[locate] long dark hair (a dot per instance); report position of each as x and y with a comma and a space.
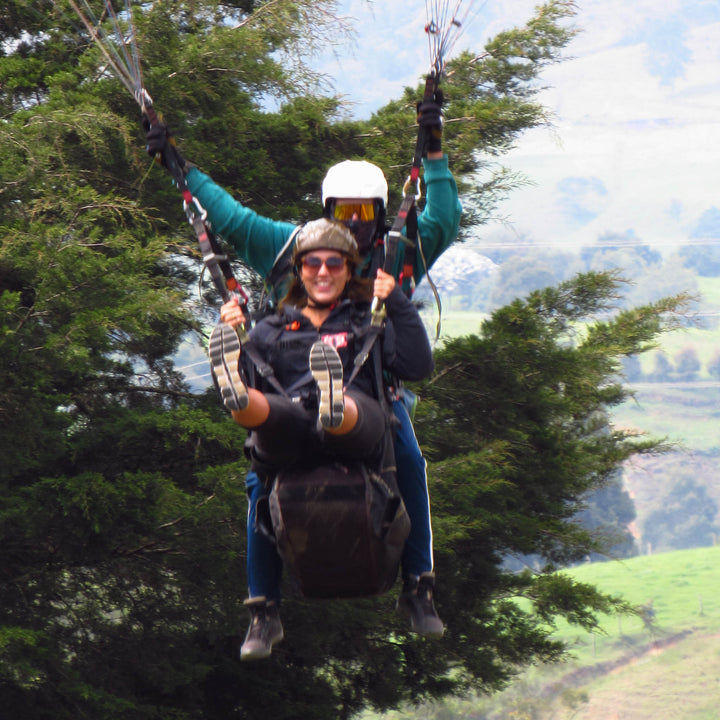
357, 289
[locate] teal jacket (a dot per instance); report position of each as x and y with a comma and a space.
260, 241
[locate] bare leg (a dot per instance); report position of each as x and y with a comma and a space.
350, 418
256, 412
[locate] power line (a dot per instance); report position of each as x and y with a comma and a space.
699, 384
596, 245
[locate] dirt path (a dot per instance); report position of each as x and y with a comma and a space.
674, 678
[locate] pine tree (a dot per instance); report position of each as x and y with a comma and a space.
516, 422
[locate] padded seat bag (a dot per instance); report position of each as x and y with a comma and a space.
340, 529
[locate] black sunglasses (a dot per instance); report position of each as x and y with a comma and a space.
313, 263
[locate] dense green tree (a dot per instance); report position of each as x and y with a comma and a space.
122, 503
686, 519
608, 513
687, 364
516, 424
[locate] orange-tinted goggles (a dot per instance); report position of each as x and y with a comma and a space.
345, 211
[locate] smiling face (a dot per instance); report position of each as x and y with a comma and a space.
324, 273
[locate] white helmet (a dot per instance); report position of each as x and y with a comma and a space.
355, 179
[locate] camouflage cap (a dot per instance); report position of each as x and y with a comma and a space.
325, 234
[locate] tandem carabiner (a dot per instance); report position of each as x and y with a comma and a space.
191, 214
408, 185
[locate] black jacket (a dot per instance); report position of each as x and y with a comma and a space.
284, 340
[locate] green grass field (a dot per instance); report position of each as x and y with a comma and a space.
623, 671
689, 417
671, 671
683, 587
452, 324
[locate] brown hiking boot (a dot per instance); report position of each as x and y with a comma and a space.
265, 629
416, 602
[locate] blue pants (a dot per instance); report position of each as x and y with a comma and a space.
264, 566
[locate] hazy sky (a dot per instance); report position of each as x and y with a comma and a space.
634, 148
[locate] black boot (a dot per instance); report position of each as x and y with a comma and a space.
265, 629
416, 602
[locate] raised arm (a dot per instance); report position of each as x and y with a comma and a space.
257, 239
439, 222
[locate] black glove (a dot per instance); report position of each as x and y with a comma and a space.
430, 118
160, 145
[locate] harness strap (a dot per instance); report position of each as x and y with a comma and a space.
379, 384
411, 239
218, 263
264, 369
395, 236
213, 257
376, 257
406, 218
373, 333
281, 267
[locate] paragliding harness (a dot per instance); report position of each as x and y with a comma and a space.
340, 527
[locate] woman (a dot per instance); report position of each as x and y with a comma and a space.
311, 345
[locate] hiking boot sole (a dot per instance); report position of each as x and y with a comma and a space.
326, 367
224, 351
